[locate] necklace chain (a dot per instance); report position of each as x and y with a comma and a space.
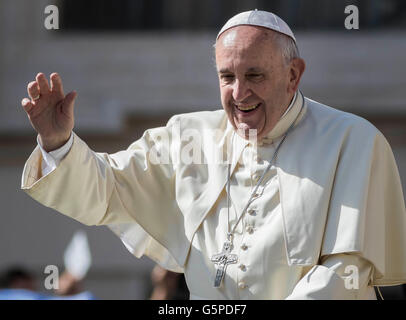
225, 257
230, 233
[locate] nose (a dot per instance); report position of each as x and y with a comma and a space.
241, 91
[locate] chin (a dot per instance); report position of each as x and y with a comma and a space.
245, 130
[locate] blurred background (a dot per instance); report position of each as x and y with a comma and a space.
135, 64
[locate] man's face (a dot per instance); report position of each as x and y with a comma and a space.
255, 83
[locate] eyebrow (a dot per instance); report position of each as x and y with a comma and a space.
252, 69
224, 71
255, 70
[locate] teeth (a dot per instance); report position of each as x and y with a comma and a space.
248, 107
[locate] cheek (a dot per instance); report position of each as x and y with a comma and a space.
225, 94
270, 94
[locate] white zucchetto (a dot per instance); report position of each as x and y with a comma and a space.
261, 19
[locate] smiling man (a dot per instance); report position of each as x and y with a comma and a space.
258, 76
312, 208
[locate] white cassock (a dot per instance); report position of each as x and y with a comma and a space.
328, 219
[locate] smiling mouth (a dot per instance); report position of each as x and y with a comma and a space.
248, 108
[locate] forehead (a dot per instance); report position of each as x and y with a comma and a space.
247, 45
244, 34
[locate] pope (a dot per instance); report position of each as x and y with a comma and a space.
276, 197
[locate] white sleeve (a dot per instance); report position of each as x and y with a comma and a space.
52, 158
338, 277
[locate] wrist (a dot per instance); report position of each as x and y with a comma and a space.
51, 144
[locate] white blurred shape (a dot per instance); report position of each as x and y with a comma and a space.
77, 256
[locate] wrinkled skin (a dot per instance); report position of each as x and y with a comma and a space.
252, 71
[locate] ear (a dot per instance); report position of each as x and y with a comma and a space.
296, 68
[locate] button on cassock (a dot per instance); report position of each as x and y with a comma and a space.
242, 285
244, 246
249, 229
256, 177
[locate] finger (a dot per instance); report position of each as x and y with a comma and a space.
56, 85
43, 83
70, 98
33, 90
69, 103
27, 105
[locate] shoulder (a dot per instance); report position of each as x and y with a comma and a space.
188, 124
200, 120
327, 119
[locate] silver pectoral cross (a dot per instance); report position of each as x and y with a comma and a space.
222, 259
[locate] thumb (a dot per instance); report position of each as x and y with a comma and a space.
69, 101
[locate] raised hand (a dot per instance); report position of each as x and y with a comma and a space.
50, 111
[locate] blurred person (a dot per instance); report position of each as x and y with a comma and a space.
77, 260
17, 277
17, 283
71, 288
168, 285
307, 205
20, 284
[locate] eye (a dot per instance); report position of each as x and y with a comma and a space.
226, 78
255, 76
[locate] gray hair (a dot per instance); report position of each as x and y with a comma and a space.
286, 44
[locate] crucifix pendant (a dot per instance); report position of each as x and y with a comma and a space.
222, 259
